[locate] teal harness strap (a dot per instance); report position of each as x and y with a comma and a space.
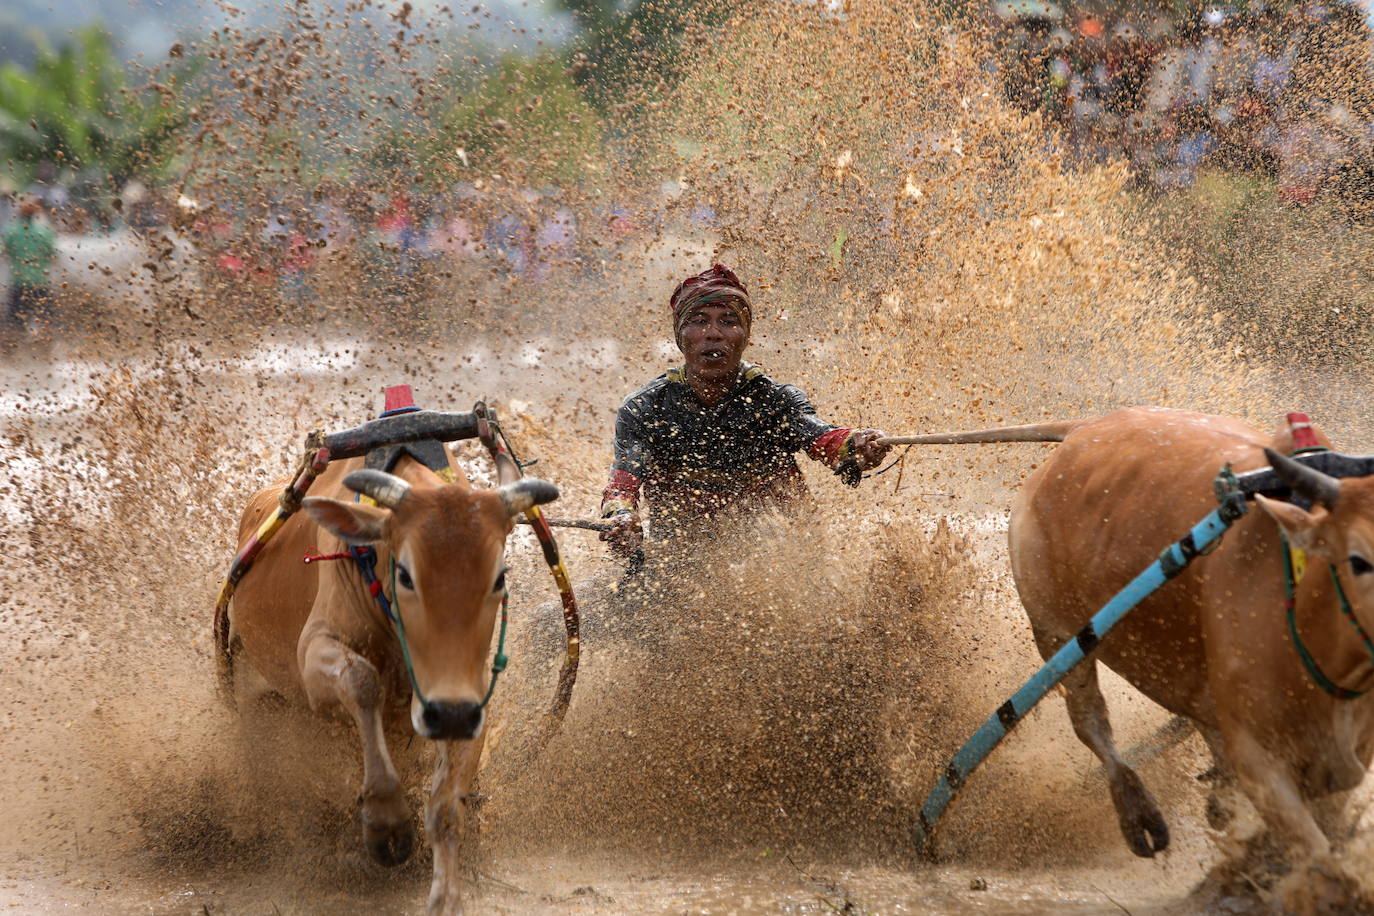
393, 613
1290, 604
1171, 562
498, 663
366, 560
1308, 662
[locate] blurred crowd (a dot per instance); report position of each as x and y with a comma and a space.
398, 238
304, 246
1284, 89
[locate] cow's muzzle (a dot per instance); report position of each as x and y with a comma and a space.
440, 720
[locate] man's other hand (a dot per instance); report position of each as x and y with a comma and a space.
626, 534
867, 452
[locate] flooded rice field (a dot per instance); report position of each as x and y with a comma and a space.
758, 738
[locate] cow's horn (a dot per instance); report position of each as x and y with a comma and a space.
522, 494
1305, 481
387, 489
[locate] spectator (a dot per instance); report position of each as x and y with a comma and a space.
1307, 155
556, 241
50, 193
509, 237
30, 245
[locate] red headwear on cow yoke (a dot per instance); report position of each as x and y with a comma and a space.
716, 286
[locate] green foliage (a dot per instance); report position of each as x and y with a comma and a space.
629, 51
527, 121
73, 108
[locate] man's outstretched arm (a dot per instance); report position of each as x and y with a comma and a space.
849, 451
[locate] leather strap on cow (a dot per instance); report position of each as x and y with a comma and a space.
1290, 604
312, 465
490, 434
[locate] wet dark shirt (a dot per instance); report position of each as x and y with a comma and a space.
688, 456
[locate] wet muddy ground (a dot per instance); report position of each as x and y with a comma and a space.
135, 791
924, 261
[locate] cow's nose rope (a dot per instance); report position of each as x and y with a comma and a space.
499, 662
1307, 443
393, 612
1308, 662
366, 558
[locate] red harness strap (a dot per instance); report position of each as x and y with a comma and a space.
317, 557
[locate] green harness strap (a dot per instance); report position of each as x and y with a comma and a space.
1308, 662
1290, 603
498, 664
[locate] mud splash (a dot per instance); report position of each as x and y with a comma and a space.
924, 261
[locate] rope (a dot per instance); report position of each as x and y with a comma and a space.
582, 523
318, 557
499, 662
1300, 424
393, 613
1290, 604
895, 461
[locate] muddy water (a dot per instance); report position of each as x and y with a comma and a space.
762, 763
921, 259
761, 760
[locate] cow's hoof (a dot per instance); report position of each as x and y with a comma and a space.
1141, 823
389, 845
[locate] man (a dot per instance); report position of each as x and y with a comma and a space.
30, 244
717, 435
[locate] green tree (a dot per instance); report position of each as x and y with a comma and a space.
527, 120
631, 51
73, 107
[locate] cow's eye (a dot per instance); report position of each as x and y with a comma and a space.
1359, 565
403, 577
500, 585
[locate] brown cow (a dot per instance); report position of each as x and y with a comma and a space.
1213, 644
315, 633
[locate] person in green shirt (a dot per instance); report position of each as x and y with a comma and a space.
30, 245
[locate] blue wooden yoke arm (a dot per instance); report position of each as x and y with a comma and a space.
1172, 561
1233, 491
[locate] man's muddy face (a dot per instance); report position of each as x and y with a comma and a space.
713, 339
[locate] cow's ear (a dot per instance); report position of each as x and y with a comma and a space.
1299, 525
353, 523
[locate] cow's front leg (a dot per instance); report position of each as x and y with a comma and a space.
337, 677
1272, 788
449, 796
